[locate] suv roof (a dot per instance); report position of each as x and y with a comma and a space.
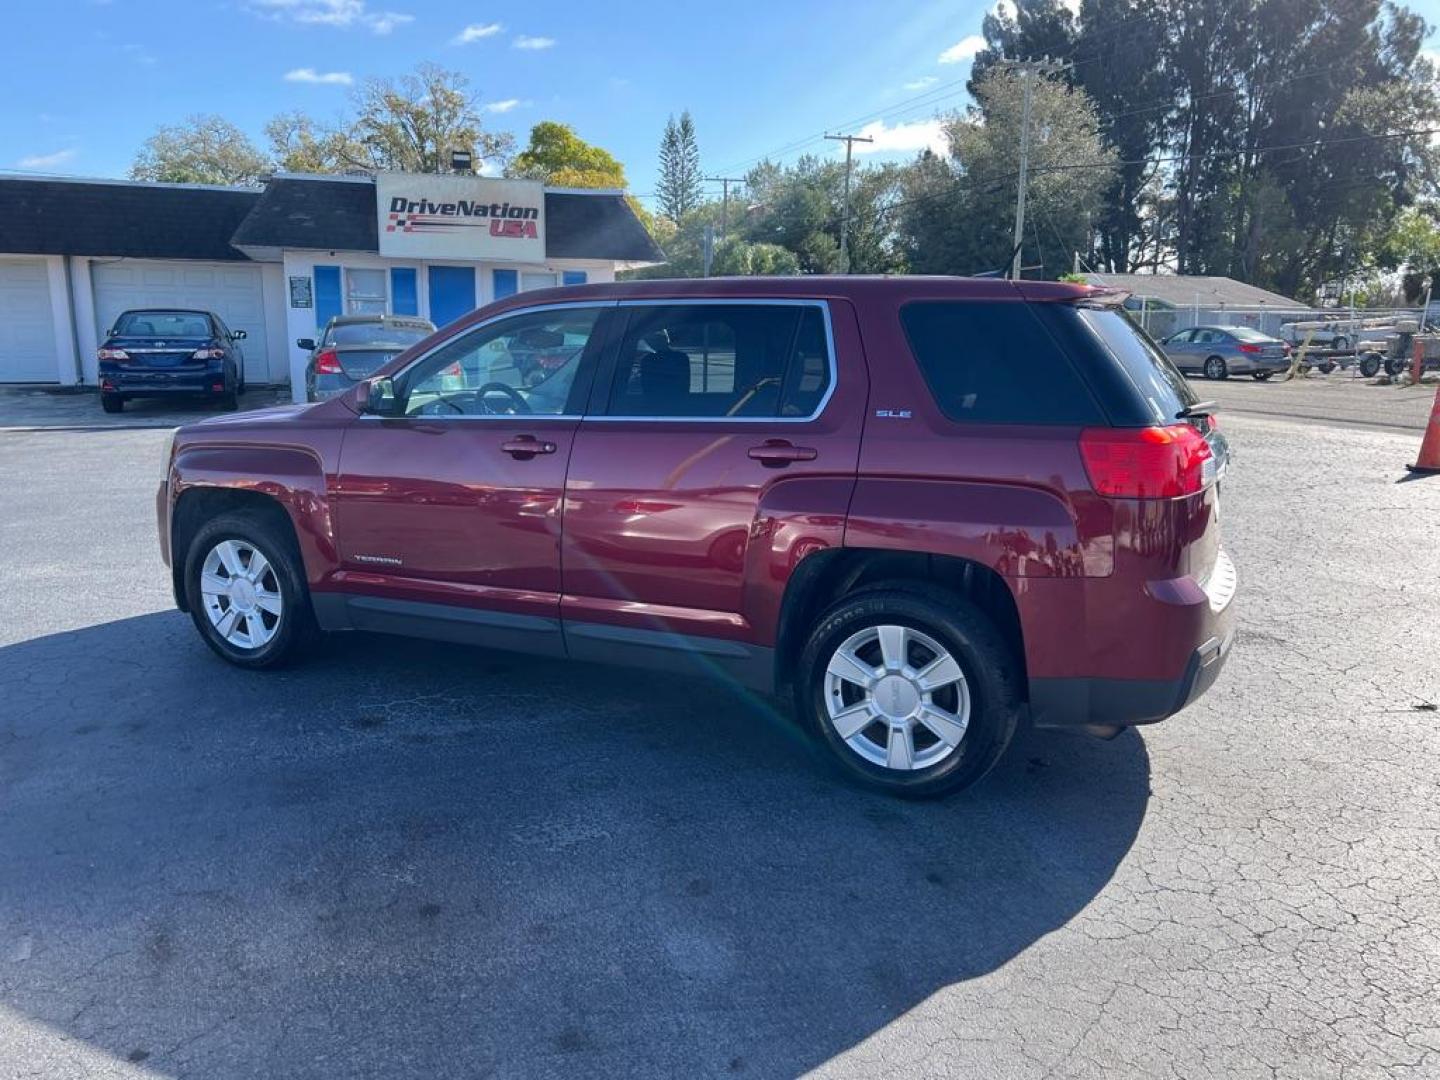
958, 288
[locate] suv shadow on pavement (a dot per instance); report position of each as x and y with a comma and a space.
417, 859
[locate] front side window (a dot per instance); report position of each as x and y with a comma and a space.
364, 292
714, 361
518, 366
995, 363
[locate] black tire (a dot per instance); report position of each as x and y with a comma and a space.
1340, 343
1261, 376
228, 401
1370, 365
1396, 365
992, 679
112, 403
1328, 366
295, 630
1216, 368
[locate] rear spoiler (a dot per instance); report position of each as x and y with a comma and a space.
1067, 293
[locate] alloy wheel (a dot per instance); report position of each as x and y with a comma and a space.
897, 697
241, 593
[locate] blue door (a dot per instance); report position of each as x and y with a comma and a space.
452, 293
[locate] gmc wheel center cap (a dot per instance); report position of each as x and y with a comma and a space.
897, 697
242, 594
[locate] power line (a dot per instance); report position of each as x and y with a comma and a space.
724, 182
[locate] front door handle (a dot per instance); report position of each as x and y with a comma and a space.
525, 447
777, 453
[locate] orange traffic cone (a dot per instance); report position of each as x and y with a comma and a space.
1429, 459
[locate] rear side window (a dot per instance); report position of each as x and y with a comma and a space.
722, 360
1155, 378
994, 363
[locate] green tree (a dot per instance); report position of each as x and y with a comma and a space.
559, 157
679, 187
411, 124
203, 150
298, 144
957, 215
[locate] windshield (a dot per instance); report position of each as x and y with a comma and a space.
163, 324
402, 334
1154, 376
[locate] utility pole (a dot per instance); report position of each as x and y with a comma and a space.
849, 141
724, 182
1028, 72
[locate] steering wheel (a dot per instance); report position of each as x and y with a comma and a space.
519, 403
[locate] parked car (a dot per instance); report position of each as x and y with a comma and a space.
1221, 351
353, 347
919, 508
1337, 336
154, 352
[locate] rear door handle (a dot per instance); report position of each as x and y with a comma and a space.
525, 447
777, 453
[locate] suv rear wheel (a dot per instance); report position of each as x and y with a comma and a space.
911, 696
112, 403
247, 592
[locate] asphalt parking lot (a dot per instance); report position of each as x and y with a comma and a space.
418, 860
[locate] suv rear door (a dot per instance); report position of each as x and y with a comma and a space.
720, 449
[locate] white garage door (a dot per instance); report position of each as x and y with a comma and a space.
27, 325
230, 290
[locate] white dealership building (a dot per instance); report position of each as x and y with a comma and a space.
278, 262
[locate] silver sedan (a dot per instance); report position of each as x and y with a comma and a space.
1220, 351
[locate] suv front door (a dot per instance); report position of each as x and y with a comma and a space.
449, 513
720, 451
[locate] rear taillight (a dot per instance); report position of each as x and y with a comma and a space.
1250, 348
113, 354
1145, 463
328, 363
208, 354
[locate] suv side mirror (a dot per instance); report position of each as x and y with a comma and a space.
306, 343
237, 335
377, 397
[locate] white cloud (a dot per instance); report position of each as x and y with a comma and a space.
340, 13
503, 106
903, 138
921, 83
45, 161
962, 50
327, 78
525, 41
489, 168
476, 32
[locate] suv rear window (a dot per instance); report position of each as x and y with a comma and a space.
994, 363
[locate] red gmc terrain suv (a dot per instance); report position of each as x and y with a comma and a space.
921, 507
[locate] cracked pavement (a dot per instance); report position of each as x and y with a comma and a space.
414, 859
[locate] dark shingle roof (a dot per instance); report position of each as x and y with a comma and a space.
339, 215
324, 215
599, 226
142, 221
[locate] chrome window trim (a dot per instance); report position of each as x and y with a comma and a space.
823, 305
733, 301
507, 417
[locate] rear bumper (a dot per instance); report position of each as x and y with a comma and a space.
1182, 629
1126, 702
127, 380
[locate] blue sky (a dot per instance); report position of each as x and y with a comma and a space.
85, 82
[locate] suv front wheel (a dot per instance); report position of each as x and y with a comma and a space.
911, 696
246, 590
